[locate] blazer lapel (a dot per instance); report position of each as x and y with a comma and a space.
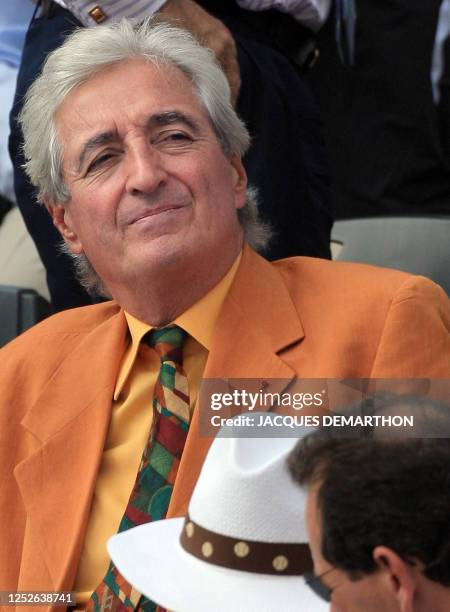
257, 322
69, 421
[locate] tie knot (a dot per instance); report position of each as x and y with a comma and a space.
167, 342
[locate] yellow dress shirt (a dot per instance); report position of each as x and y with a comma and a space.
130, 424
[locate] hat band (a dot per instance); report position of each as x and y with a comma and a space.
280, 559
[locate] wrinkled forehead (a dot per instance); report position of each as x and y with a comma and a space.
129, 80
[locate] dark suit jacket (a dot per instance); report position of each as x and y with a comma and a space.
386, 151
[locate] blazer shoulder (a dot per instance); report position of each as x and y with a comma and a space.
67, 346
337, 278
63, 327
341, 292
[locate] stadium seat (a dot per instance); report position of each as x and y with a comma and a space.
19, 309
420, 245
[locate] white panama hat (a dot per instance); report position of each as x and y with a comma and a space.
242, 547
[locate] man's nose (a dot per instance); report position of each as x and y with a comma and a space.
145, 169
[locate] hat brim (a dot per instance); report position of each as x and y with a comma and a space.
151, 558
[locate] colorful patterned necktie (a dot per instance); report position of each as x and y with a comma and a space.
150, 497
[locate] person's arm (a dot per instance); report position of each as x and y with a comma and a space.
185, 13
211, 32
310, 13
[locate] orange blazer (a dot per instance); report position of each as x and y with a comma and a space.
299, 317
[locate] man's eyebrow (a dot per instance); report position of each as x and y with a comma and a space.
173, 116
158, 119
93, 143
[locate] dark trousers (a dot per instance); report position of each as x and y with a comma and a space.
286, 161
387, 148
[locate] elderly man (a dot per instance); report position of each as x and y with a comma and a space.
377, 513
135, 149
259, 51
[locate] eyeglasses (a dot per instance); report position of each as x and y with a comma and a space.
317, 585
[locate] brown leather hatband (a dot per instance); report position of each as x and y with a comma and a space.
280, 559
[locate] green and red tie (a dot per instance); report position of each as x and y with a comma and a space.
150, 497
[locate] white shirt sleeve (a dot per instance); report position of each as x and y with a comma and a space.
105, 11
311, 13
442, 33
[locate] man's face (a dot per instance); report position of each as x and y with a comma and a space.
151, 189
372, 593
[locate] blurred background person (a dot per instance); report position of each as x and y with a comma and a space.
388, 149
20, 264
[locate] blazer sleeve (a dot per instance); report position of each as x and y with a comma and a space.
415, 340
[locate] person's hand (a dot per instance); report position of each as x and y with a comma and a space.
209, 31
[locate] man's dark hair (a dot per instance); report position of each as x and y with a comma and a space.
373, 491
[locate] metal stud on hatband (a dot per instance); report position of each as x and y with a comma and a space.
241, 549
189, 530
207, 549
280, 563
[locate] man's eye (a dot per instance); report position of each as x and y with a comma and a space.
179, 136
98, 161
173, 138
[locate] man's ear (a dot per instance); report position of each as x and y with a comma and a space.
401, 576
62, 220
239, 177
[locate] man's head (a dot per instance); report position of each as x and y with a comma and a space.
134, 147
378, 518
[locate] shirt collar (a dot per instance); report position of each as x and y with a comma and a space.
198, 321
